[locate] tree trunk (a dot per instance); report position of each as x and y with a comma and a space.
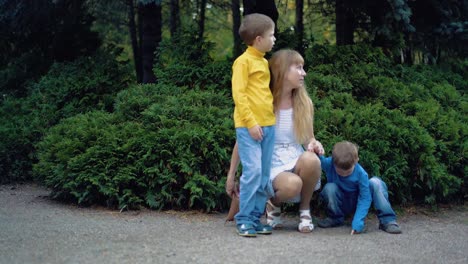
236, 20
266, 7
174, 20
151, 36
134, 39
344, 23
140, 35
407, 52
201, 20
300, 26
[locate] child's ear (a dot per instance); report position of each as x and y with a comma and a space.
257, 39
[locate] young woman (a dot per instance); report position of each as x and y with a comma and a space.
295, 171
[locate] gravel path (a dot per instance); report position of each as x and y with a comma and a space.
35, 229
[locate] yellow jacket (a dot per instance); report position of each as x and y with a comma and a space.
251, 91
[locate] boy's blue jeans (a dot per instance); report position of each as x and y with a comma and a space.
338, 205
255, 157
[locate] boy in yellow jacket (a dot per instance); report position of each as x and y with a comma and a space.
254, 120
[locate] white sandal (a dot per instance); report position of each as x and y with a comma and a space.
305, 226
273, 215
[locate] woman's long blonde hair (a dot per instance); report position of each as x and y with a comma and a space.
303, 108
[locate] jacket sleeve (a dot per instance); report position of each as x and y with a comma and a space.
363, 203
240, 79
326, 165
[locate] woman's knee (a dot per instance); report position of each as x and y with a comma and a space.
308, 165
311, 159
289, 184
294, 185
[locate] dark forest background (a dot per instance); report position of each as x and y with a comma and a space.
127, 103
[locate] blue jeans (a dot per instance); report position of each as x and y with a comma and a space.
379, 193
339, 204
255, 157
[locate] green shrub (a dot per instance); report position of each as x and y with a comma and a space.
131, 102
392, 146
423, 108
88, 83
195, 132
173, 154
68, 89
167, 145
89, 158
17, 136
191, 67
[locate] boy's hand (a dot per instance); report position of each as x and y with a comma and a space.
354, 232
256, 132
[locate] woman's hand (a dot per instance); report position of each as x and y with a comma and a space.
232, 189
316, 146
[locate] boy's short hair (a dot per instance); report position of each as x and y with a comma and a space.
345, 155
254, 25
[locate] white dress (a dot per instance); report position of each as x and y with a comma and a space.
286, 151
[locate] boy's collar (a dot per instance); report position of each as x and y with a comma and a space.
252, 50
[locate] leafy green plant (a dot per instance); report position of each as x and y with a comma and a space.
191, 67
173, 154
167, 145
406, 119
68, 89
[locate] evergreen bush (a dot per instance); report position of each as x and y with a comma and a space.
406, 119
168, 145
68, 89
191, 67
171, 153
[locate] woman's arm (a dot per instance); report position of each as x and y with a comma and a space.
231, 187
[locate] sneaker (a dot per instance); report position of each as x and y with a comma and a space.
328, 222
392, 228
246, 230
262, 229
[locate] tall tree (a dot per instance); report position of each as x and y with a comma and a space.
34, 34
201, 18
300, 25
236, 21
441, 28
151, 31
380, 22
134, 40
344, 23
174, 18
266, 7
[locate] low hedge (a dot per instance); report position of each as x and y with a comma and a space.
168, 145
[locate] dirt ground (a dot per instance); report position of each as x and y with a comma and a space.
36, 229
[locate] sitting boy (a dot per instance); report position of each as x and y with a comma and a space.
348, 190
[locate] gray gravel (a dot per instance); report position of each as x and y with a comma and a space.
35, 229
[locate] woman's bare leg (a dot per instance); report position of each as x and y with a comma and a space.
308, 169
287, 185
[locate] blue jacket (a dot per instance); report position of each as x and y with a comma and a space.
356, 183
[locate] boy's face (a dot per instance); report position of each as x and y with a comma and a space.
344, 173
266, 41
